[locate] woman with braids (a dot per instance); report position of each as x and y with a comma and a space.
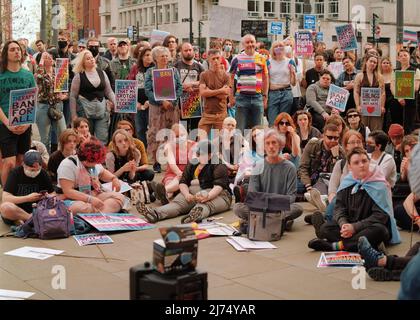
78, 181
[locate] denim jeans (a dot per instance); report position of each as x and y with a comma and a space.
67, 113
44, 123
142, 123
329, 213
249, 111
278, 102
97, 127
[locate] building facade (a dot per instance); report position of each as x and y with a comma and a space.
6, 20
91, 19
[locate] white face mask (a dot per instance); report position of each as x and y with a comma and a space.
31, 174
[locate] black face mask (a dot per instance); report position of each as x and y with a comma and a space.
62, 44
94, 50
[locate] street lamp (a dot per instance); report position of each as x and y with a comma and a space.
191, 23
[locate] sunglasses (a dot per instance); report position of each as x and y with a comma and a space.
352, 116
334, 138
284, 123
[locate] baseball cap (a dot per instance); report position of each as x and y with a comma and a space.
31, 157
124, 41
82, 44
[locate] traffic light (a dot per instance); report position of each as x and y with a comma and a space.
375, 27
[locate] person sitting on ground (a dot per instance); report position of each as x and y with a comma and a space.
396, 135
354, 122
340, 123
81, 127
68, 143
177, 153
318, 160
381, 267
42, 149
304, 128
275, 175
124, 160
376, 144
25, 185
285, 125
204, 190
363, 208
78, 181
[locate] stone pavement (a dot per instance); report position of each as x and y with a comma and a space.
288, 272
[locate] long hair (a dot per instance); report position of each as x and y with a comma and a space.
364, 68
5, 54
79, 62
132, 151
286, 116
305, 113
140, 64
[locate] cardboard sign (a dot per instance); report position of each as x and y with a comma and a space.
336, 68
191, 105
225, 22
346, 37
62, 75
115, 222
158, 36
164, 84
337, 98
304, 44
404, 85
371, 102
23, 105
92, 238
126, 95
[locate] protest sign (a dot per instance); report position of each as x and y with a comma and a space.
276, 28
340, 259
225, 22
62, 76
164, 84
115, 222
309, 22
92, 238
126, 96
404, 85
158, 36
346, 37
191, 105
371, 102
304, 44
336, 68
320, 36
23, 105
337, 98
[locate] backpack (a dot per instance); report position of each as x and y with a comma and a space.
140, 193
267, 215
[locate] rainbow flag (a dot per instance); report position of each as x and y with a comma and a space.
61, 83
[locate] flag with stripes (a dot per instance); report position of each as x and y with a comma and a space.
410, 36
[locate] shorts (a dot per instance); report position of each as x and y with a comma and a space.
12, 144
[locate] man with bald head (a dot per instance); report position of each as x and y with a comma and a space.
251, 90
190, 71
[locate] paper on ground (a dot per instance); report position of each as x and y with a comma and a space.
34, 253
124, 187
14, 295
235, 245
247, 244
217, 229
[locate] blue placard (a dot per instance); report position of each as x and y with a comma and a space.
320, 36
126, 96
276, 28
309, 22
346, 37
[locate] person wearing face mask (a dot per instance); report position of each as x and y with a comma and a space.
228, 50
178, 151
23, 188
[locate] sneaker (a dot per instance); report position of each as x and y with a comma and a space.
317, 220
382, 274
369, 255
148, 213
243, 227
307, 197
289, 225
308, 218
195, 215
320, 245
157, 168
160, 193
316, 200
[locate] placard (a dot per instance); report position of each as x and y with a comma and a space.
309, 22
337, 98
346, 37
276, 28
158, 36
258, 28
191, 106
404, 85
115, 222
304, 45
371, 102
23, 106
92, 238
225, 22
62, 76
164, 84
126, 92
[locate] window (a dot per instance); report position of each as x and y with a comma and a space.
152, 16
175, 12
253, 8
204, 10
284, 8
160, 14
145, 17
215, 2
333, 6
167, 14
319, 8
269, 9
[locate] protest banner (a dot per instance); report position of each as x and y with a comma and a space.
191, 105
92, 238
337, 98
340, 259
126, 96
115, 222
371, 102
62, 76
304, 44
276, 28
164, 84
23, 106
404, 85
336, 68
346, 37
225, 22
309, 22
158, 36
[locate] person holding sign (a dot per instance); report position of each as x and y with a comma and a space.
14, 140
370, 78
394, 112
400, 86
346, 80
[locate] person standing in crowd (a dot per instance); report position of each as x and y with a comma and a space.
252, 85
81, 46
40, 45
190, 72
354, 122
138, 72
171, 42
217, 45
370, 78
14, 141
215, 89
89, 88
313, 75
298, 64
282, 77
162, 114
393, 112
102, 63
304, 128
346, 80
228, 50
28, 62
45, 79
316, 98
409, 106
111, 53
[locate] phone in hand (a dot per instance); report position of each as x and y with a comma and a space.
44, 192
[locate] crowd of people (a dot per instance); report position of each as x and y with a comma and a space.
264, 127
